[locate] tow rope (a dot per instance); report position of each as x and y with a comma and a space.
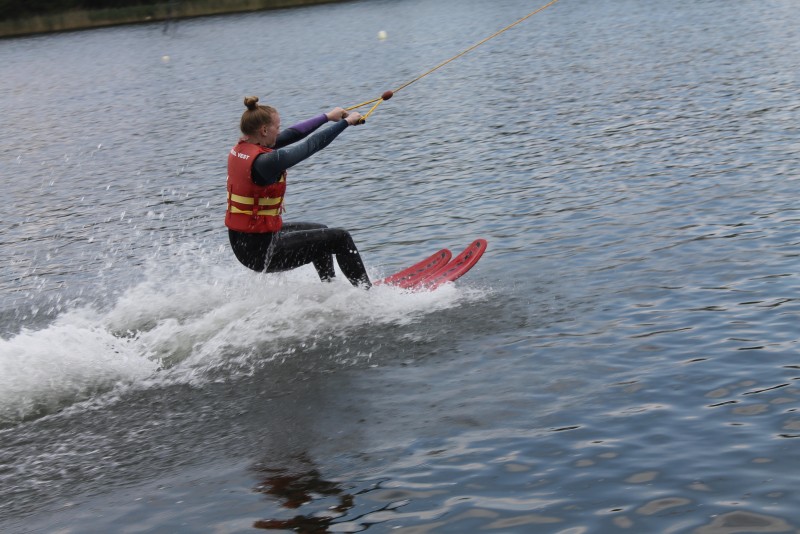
389, 94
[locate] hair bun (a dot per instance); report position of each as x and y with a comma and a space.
251, 102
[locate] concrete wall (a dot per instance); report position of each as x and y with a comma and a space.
79, 20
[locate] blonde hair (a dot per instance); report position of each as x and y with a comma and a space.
256, 116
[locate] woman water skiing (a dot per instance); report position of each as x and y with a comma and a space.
256, 186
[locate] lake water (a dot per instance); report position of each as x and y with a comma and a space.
624, 358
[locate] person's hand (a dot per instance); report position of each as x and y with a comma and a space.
336, 114
354, 118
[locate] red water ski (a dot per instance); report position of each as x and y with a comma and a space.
455, 268
411, 276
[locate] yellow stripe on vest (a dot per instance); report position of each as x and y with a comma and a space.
249, 200
273, 212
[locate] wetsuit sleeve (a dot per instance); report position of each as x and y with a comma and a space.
298, 131
268, 167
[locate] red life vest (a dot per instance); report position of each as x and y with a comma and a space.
252, 208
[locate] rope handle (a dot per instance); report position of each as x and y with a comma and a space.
385, 96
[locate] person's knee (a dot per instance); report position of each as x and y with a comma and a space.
343, 238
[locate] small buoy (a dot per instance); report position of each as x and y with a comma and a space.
165, 59
382, 35
387, 95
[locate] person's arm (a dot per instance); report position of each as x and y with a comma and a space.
299, 131
268, 167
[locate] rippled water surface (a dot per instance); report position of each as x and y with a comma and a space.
623, 358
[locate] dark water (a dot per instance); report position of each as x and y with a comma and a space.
624, 357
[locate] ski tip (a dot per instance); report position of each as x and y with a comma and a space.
439, 268
455, 268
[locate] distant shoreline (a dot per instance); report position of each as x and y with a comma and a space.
170, 10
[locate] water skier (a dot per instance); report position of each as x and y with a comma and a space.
256, 186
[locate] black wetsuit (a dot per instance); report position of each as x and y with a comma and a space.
298, 244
